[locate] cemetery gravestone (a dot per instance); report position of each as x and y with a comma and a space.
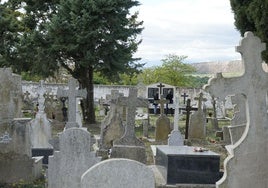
248, 157
66, 166
188, 110
129, 146
40, 126
112, 125
16, 162
72, 94
118, 173
10, 96
175, 138
197, 126
162, 123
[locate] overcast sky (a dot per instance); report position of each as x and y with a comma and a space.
203, 30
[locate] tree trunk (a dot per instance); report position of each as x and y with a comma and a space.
88, 103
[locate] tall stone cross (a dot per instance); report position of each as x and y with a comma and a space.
72, 94
188, 110
131, 102
160, 87
251, 150
162, 102
200, 99
184, 97
175, 138
41, 91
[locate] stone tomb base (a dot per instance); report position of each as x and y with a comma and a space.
181, 165
136, 153
45, 152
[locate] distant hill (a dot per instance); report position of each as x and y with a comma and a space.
215, 67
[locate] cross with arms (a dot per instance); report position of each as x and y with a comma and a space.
72, 94
131, 102
253, 84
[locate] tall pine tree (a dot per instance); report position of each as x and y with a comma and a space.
95, 35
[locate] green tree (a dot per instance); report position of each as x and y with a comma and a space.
90, 36
10, 27
252, 15
173, 71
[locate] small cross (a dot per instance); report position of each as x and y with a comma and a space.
160, 86
26, 95
184, 97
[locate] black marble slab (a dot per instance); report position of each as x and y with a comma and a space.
45, 152
181, 164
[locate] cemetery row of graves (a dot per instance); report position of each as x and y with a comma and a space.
141, 140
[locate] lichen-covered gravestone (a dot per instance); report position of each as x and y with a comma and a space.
246, 166
118, 173
197, 126
129, 146
16, 162
112, 125
66, 167
40, 126
162, 123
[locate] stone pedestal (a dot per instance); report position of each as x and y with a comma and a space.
181, 165
136, 153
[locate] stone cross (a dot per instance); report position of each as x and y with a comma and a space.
41, 90
131, 102
175, 138
72, 94
162, 102
160, 86
250, 150
26, 95
200, 99
188, 110
184, 97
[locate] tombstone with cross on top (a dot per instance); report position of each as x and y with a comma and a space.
249, 154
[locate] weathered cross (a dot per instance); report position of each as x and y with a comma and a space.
200, 99
162, 101
253, 85
41, 90
131, 102
184, 97
188, 110
160, 86
176, 113
26, 96
72, 94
